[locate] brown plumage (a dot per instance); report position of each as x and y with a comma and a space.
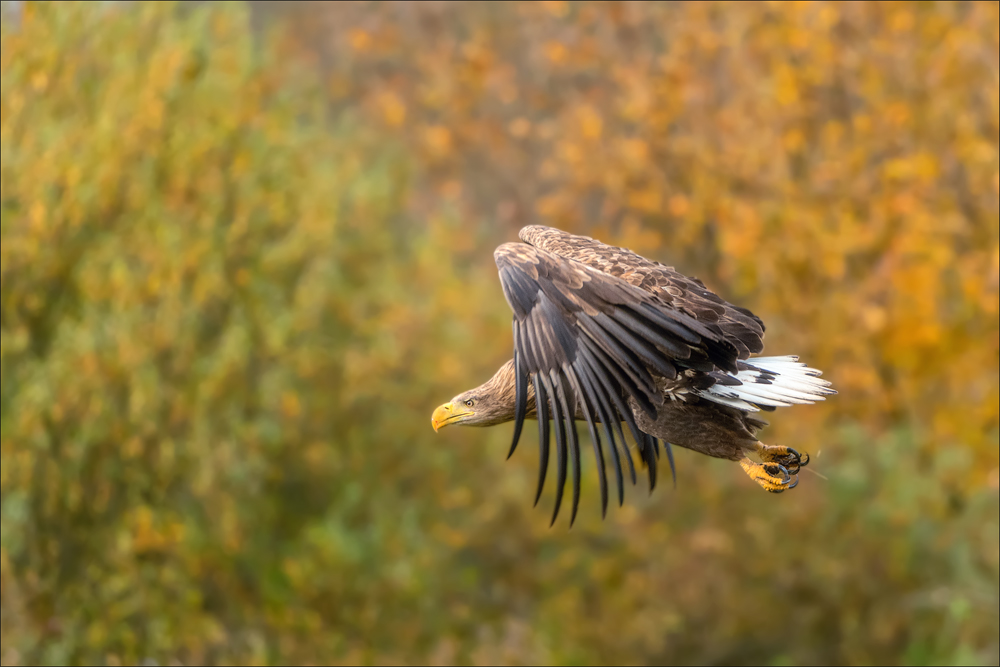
605, 336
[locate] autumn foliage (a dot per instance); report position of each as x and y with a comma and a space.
240, 268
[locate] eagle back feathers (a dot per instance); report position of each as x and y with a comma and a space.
738, 326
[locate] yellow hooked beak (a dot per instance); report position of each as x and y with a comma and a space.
449, 413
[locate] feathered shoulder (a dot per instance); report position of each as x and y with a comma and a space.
736, 325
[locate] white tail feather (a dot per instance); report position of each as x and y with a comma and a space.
771, 382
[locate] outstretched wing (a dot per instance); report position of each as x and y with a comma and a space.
675, 290
590, 339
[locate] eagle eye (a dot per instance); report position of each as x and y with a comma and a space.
470, 402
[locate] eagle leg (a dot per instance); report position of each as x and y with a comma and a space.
773, 477
791, 459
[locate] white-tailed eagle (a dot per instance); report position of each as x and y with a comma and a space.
607, 337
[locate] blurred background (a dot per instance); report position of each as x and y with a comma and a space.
247, 249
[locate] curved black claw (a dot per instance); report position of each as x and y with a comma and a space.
773, 477
774, 469
792, 460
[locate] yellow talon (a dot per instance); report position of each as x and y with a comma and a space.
788, 458
772, 477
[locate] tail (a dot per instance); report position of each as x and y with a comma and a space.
766, 383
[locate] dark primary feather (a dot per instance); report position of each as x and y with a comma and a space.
520, 389
592, 340
542, 406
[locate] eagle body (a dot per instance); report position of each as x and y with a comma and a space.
702, 426
625, 344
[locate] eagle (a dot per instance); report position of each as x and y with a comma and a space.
606, 337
